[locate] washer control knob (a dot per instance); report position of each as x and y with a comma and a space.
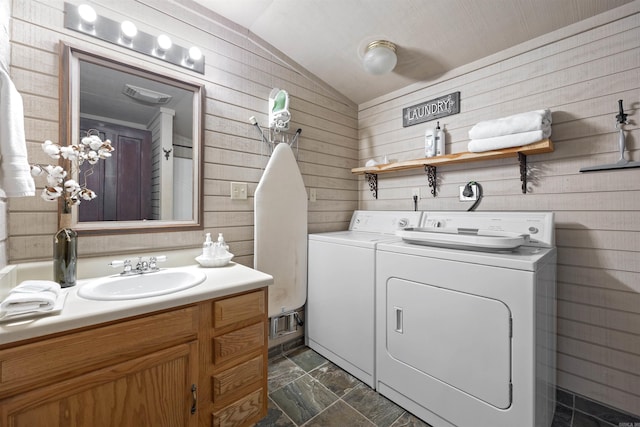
533, 230
403, 222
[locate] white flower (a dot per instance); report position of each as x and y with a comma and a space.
53, 150
105, 153
92, 157
70, 152
95, 143
91, 149
54, 181
87, 194
36, 170
71, 186
56, 171
51, 193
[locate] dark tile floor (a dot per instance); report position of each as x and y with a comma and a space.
305, 389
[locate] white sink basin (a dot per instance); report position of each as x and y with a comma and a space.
140, 286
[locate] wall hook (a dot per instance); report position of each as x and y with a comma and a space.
167, 152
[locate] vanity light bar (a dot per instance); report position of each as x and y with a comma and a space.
113, 32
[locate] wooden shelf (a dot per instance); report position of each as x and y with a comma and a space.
544, 146
430, 163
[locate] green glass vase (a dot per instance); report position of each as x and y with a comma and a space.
65, 257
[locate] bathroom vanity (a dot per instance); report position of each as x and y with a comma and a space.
197, 357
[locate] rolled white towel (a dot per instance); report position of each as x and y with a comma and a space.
29, 296
508, 141
518, 123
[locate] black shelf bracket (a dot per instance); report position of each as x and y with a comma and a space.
372, 179
522, 158
431, 177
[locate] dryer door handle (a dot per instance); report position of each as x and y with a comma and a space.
398, 312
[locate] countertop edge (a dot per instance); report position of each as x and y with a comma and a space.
79, 312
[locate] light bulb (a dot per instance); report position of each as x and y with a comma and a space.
164, 43
195, 54
87, 13
128, 30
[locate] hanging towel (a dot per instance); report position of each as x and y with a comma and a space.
518, 123
31, 296
508, 141
15, 172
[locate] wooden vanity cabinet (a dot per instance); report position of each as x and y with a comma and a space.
154, 370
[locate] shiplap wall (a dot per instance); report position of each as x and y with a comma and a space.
239, 75
579, 77
5, 13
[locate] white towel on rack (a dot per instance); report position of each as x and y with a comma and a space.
31, 296
508, 141
517, 123
15, 172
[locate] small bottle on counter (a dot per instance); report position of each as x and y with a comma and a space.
207, 247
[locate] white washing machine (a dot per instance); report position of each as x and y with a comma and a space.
340, 311
465, 329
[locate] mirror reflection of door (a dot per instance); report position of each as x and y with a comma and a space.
123, 182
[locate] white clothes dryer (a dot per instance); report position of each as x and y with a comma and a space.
340, 311
466, 319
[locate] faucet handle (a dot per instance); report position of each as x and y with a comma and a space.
126, 264
156, 259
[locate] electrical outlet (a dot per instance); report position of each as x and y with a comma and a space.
415, 191
239, 190
474, 195
313, 195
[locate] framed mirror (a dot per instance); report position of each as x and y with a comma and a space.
154, 121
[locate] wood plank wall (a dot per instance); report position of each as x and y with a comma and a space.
580, 78
238, 78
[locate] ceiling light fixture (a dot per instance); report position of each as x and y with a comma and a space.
380, 57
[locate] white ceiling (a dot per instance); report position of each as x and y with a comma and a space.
328, 37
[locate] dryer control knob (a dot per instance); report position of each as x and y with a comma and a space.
403, 222
533, 230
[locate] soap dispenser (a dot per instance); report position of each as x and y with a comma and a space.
207, 247
221, 243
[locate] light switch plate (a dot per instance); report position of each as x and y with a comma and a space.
239, 190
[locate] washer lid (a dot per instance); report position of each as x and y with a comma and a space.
463, 238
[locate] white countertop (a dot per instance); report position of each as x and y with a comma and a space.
79, 312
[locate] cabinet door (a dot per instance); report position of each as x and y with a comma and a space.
153, 390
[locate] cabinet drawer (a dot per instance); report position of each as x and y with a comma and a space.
43, 362
238, 342
226, 382
236, 309
243, 412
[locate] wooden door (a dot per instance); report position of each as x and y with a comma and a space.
154, 390
123, 182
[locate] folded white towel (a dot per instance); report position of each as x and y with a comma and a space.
15, 172
508, 141
518, 123
31, 295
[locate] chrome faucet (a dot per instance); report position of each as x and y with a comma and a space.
142, 266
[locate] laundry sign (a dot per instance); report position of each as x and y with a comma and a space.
431, 110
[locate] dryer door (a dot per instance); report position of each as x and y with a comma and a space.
456, 338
